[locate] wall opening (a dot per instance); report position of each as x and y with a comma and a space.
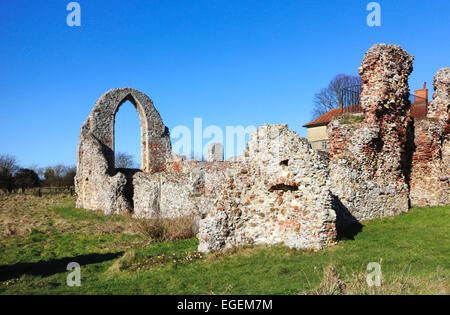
127, 138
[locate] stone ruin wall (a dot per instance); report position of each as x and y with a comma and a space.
278, 194
391, 161
184, 188
430, 174
215, 152
168, 186
98, 184
368, 160
280, 191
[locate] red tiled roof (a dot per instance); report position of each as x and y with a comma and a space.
327, 117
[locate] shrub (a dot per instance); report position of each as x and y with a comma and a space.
153, 229
160, 230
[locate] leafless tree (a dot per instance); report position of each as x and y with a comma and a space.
8, 168
59, 175
9, 163
124, 160
332, 96
69, 175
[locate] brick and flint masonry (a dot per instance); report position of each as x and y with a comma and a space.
281, 191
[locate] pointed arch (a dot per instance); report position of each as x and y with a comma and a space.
143, 122
155, 141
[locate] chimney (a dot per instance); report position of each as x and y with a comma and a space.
421, 96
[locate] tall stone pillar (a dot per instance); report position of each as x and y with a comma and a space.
369, 162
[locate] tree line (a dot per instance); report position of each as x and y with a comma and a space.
13, 177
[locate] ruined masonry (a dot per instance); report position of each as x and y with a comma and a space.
390, 161
430, 173
98, 184
369, 160
215, 152
280, 191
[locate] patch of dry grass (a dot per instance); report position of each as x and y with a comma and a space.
120, 263
161, 230
332, 283
20, 214
400, 283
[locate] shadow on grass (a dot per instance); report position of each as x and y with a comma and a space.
49, 267
349, 232
347, 225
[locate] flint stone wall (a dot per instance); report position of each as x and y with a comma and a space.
186, 188
96, 188
98, 184
430, 174
279, 193
369, 161
215, 152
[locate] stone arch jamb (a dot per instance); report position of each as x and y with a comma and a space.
155, 141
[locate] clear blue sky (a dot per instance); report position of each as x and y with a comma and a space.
228, 62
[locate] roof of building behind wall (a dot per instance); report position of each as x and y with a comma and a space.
327, 117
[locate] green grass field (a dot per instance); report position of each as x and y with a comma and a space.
40, 236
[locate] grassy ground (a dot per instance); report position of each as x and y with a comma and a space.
40, 236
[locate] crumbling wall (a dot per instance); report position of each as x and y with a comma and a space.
95, 188
430, 174
370, 161
185, 188
99, 185
279, 193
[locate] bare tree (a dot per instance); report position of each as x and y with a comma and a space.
8, 168
59, 175
332, 96
124, 160
53, 175
69, 175
9, 163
